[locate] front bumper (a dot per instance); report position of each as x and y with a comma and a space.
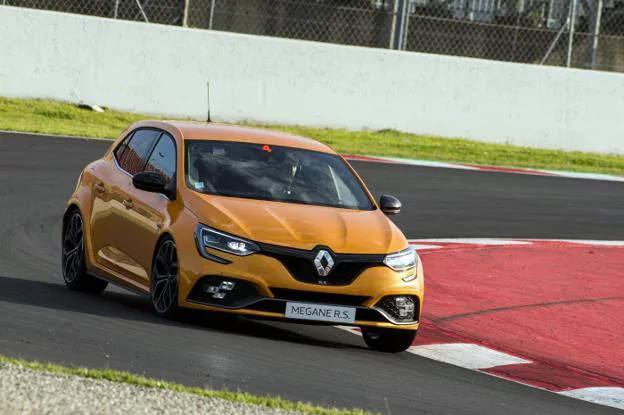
274, 286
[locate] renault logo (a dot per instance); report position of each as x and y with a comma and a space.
323, 263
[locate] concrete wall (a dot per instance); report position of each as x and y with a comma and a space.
163, 70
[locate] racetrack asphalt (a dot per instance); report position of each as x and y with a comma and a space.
40, 319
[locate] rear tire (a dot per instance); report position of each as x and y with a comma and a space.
73, 258
164, 285
388, 340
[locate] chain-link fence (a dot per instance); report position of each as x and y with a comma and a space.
531, 31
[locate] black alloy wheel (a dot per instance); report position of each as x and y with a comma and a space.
164, 290
73, 258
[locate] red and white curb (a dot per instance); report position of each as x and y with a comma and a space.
476, 167
481, 359
445, 346
460, 243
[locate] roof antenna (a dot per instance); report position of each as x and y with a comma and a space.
208, 101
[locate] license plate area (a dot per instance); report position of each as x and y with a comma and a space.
320, 312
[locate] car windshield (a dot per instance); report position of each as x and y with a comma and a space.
284, 174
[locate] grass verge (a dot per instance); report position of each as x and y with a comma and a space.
61, 118
129, 378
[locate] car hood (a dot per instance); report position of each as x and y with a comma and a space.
298, 225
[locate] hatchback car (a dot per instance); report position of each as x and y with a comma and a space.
244, 221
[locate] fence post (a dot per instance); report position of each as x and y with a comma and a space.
571, 38
212, 10
401, 36
397, 25
185, 10
595, 33
392, 22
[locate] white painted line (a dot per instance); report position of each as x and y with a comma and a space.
466, 355
583, 242
472, 241
520, 170
429, 163
421, 247
588, 176
609, 396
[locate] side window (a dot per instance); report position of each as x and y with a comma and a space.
121, 148
132, 158
163, 158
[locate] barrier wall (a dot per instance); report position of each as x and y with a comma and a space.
164, 70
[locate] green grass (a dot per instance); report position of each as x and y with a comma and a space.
62, 118
129, 378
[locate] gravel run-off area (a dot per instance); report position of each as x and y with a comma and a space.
28, 391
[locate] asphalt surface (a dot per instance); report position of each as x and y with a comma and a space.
40, 319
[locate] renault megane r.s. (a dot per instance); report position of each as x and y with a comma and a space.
244, 221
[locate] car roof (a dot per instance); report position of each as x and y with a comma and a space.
193, 130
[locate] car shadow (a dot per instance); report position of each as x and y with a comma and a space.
129, 306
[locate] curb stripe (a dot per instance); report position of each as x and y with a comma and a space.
466, 355
610, 396
495, 169
561, 380
452, 243
483, 359
473, 241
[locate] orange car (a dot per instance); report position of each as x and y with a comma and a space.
245, 221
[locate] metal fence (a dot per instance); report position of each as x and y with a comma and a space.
575, 33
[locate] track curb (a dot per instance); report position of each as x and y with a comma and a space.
485, 168
448, 346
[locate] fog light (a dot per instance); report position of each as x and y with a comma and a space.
220, 291
405, 306
399, 308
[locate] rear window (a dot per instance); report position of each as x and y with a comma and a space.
284, 174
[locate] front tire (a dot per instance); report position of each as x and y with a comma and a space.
388, 340
73, 258
164, 285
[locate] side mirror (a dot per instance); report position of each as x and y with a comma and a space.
151, 182
389, 205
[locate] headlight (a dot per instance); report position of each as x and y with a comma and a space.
210, 238
403, 260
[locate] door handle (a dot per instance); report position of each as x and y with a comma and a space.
99, 187
128, 203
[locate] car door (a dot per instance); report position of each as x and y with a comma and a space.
149, 211
112, 203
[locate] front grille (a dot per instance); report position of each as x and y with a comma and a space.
389, 306
300, 264
242, 294
316, 297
